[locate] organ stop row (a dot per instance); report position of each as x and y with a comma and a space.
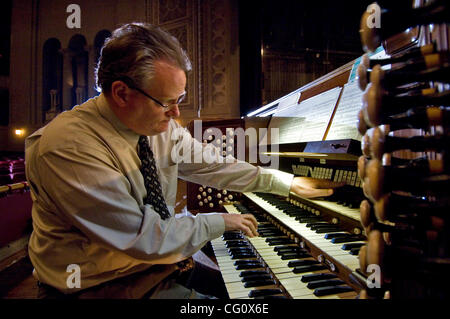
380, 125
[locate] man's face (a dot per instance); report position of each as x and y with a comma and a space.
146, 117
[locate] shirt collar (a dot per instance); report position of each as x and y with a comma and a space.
105, 110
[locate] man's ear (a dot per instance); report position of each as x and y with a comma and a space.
120, 93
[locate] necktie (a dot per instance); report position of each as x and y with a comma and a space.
154, 192
151, 180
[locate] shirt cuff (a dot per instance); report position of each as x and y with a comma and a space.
281, 182
215, 222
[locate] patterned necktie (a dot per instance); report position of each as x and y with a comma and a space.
151, 180
154, 191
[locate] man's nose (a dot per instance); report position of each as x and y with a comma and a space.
174, 111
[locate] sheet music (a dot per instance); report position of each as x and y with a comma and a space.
344, 123
290, 100
306, 121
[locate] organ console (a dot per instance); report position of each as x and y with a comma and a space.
385, 233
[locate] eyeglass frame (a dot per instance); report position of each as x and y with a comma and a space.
130, 83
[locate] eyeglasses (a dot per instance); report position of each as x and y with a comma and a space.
165, 107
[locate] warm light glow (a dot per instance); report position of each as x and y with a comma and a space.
19, 132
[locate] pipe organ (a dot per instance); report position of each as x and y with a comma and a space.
380, 125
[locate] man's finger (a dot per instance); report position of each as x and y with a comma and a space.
251, 225
247, 231
252, 218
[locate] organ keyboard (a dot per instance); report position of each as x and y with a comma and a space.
274, 264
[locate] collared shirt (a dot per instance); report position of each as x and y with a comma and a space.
88, 191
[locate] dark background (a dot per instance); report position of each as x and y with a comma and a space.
294, 27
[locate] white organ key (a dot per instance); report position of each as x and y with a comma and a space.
333, 250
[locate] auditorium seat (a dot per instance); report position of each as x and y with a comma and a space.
16, 280
15, 215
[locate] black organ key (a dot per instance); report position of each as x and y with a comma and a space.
315, 225
350, 246
244, 250
242, 256
249, 266
301, 214
257, 277
327, 229
324, 283
245, 262
308, 220
296, 263
277, 241
241, 252
295, 255
236, 243
285, 248
259, 283
320, 276
269, 233
232, 235
248, 273
349, 238
308, 268
264, 225
331, 290
336, 235
264, 292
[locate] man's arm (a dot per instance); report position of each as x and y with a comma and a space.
94, 196
213, 170
309, 187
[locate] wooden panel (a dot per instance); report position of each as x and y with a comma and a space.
217, 61
172, 10
335, 81
205, 29
180, 18
183, 31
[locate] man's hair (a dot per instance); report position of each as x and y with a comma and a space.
131, 51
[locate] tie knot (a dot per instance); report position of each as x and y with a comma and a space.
143, 141
144, 147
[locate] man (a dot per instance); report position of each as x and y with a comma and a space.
104, 223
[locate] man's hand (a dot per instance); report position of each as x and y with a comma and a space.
309, 187
246, 223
